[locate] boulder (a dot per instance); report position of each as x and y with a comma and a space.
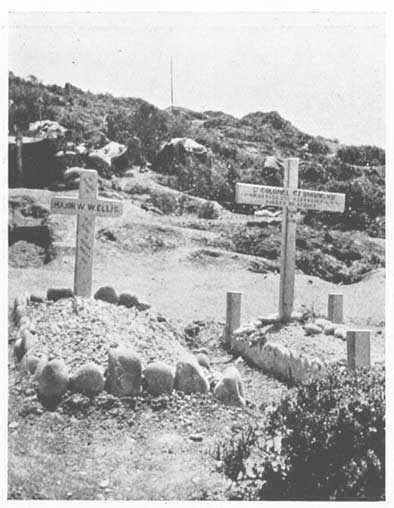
280, 360
297, 315
19, 352
277, 359
192, 330
340, 332
244, 330
189, 377
321, 322
56, 294
230, 388
143, 306
21, 301
329, 329
107, 294
128, 300
312, 329
296, 366
37, 298
28, 339
25, 322
88, 380
159, 378
108, 153
72, 173
18, 314
124, 372
53, 380
202, 350
203, 360
31, 363
40, 366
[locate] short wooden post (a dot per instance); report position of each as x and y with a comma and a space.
233, 315
288, 252
358, 348
335, 307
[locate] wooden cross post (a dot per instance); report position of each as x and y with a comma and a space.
87, 206
290, 198
288, 249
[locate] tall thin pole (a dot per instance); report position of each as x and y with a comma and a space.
19, 160
172, 84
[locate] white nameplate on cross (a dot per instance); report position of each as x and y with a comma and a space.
289, 197
278, 196
87, 206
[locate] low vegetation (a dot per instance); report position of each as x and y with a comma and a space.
332, 432
237, 148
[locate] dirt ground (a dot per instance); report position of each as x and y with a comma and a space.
146, 452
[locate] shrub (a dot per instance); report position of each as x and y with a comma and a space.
208, 210
362, 155
332, 447
317, 146
164, 201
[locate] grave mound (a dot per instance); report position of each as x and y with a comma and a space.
81, 331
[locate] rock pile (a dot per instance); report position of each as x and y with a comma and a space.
325, 326
58, 323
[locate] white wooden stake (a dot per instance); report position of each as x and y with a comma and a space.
358, 348
233, 315
335, 308
288, 250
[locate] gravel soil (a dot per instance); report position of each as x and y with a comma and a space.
326, 347
130, 448
81, 330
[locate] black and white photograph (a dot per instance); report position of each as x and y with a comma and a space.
196, 255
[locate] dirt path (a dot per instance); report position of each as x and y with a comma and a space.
183, 289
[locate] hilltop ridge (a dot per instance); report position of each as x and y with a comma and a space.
237, 148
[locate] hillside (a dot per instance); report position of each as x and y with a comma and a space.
237, 147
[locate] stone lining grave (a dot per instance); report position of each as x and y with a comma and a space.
79, 346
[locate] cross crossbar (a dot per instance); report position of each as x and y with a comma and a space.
289, 198
87, 206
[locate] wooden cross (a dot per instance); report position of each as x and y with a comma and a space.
289, 197
87, 206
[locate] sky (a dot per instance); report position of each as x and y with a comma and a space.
323, 72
